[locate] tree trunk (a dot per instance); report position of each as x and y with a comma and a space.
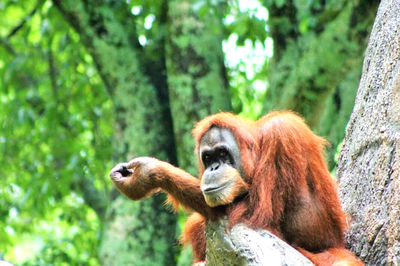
196, 72
144, 233
369, 163
135, 232
196, 75
316, 66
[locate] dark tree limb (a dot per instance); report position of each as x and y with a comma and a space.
6, 44
25, 20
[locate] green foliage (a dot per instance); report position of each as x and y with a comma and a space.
142, 125
248, 27
56, 131
83, 83
246, 31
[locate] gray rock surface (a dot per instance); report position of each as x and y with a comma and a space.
244, 246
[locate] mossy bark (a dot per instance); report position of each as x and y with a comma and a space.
190, 44
318, 51
139, 233
196, 72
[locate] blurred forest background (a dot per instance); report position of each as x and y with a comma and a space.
85, 84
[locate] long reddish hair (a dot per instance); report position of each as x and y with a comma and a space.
290, 159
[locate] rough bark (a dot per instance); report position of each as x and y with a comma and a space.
369, 163
245, 246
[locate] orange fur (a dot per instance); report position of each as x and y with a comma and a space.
285, 184
291, 192
332, 257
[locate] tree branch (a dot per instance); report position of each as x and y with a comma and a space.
5, 41
52, 71
6, 44
25, 19
244, 246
